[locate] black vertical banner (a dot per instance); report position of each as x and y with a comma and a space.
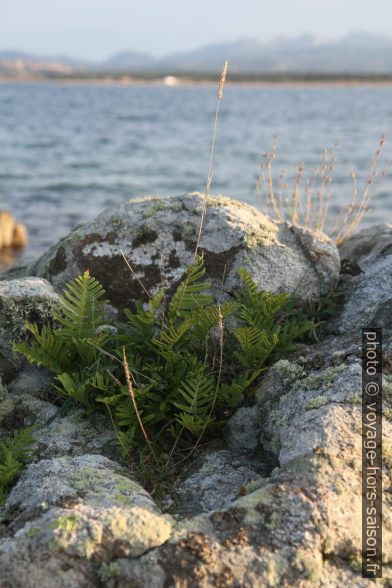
372, 453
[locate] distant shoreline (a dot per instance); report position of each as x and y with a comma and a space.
205, 80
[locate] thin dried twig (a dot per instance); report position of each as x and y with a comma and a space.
133, 400
135, 276
211, 162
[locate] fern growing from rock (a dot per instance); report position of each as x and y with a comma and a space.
185, 367
14, 452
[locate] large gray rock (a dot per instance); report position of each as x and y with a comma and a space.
158, 237
58, 434
369, 291
300, 525
67, 517
368, 245
369, 298
28, 299
278, 503
216, 480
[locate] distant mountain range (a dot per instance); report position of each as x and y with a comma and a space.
357, 53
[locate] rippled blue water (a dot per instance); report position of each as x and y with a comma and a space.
69, 151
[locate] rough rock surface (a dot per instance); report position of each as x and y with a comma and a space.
67, 517
60, 434
33, 380
158, 237
368, 291
368, 245
300, 525
277, 503
217, 478
26, 299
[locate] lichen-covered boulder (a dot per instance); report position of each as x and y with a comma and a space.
367, 283
25, 299
57, 435
368, 245
277, 502
215, 479
28, 299
300, 525
36, 381
158, 236
68, 518
368, 298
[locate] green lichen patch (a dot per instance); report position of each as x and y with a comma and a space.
32, 532
151, 211
387, 454
15, 314
316, 402
68, 524
309, 563
117, 221
355, 398
320, 380
90, 479
109, 571
143, 235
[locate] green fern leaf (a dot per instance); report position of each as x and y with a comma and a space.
46, 350
190, 294
81, 308
255, 345
193, 423
197, 394
231, 393
14, 452
77, 388
206, 318
170, 338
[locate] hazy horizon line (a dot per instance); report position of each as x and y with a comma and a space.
159, 55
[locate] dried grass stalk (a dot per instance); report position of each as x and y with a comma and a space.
310, 200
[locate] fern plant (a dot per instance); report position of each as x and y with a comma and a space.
184, 368
14, 452
71, 350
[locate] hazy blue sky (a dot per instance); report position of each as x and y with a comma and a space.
94, 29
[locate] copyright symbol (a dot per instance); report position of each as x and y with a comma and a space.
372, 389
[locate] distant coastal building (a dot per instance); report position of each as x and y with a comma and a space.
170, 81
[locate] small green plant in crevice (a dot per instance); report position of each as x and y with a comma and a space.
322, 311
172, 372
14, 453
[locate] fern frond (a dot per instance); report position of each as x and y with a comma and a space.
81, 308
46, 350
3, 495
141, 325
193, 423
197, 394
20, 444
250, 287
14, 452
76, 387
170, 338
255, 345
10, 468
291, 331
258, 308
231, 393
206, 318
190, 293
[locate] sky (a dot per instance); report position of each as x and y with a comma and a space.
95, 29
